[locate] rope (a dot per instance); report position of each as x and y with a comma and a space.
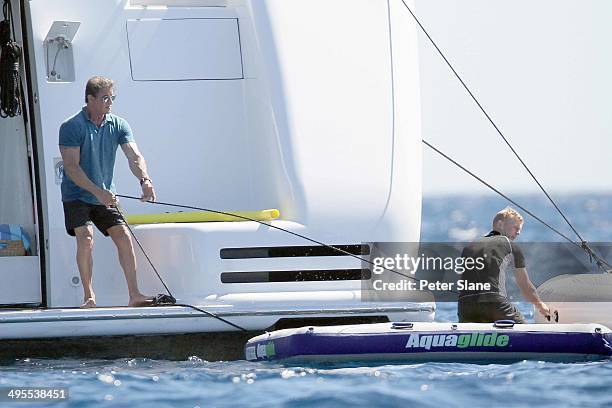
490, 119
172, 301
10, 81
246, 219
143, 251
275, 227
583, 244
600, 261
212, 315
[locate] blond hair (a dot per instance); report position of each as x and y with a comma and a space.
97, 83
506, 214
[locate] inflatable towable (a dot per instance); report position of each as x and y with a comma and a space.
502, 341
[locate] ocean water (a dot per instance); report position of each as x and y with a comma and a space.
191, 383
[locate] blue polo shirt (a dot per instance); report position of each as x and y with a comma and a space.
98, 149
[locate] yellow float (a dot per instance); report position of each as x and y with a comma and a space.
202, 216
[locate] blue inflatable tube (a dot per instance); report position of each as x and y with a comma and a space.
453, 342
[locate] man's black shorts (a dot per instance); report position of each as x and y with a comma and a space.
487, 308
78, 214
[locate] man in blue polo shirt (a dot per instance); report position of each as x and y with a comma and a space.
88, 143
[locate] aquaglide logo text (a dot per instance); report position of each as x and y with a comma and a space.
428, 341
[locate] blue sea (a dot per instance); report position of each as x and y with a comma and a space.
197, 383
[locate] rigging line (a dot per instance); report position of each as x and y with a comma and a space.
600, 261
164, 283
143, 251
212, 315
492, 122
275, 227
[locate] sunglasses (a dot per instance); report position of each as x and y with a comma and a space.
107, 98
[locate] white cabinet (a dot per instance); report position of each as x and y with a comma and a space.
19, 280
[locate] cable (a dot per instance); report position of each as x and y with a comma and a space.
143, 251
238, 216
600, 261
212, 315
272, 226
244, 218
489, 118
583, 244
173, 300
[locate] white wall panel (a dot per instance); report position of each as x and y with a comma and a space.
184, 49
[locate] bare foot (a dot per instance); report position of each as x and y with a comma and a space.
140, 300
89, 303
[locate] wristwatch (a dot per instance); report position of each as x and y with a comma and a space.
142, 180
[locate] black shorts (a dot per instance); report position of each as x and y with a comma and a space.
487, 309
79, 213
